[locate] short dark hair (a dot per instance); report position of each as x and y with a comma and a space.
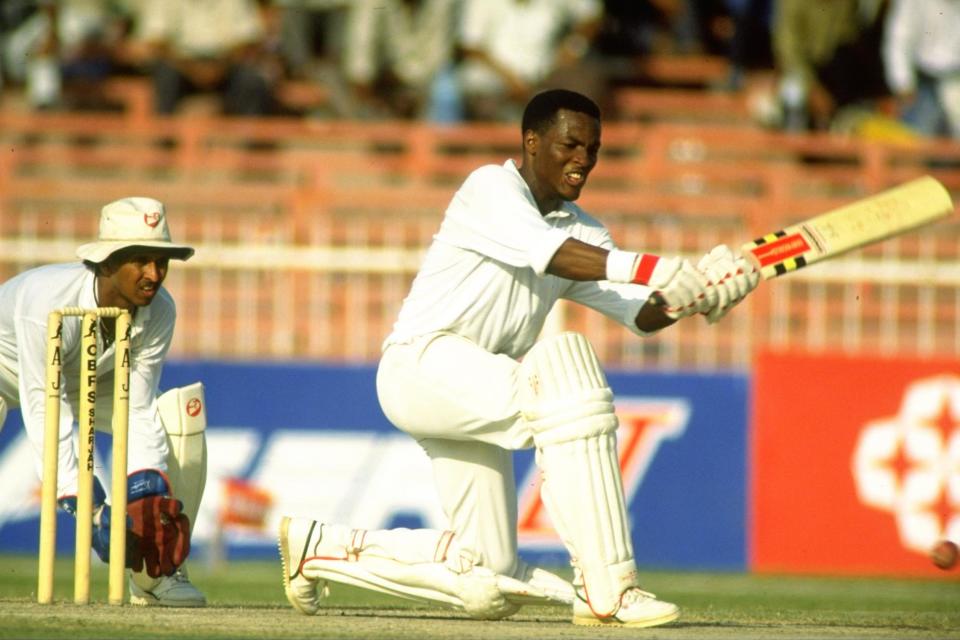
541, 111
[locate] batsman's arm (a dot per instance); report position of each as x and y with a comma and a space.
580, 261
576, 260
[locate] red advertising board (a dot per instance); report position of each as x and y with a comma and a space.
855, 464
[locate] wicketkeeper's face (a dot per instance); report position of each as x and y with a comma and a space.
136, 276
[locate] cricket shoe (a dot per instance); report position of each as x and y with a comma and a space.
166, 591
297, 537
637, 609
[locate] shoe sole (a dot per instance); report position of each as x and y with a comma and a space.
286, 564
613, 622
150, 601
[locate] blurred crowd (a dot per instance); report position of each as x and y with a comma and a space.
824, 64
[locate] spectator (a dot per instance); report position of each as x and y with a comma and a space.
922, 54
63, 50
310, 43
827, 56
398, 58
512, 48
312, 33
749, 42
209, 46
634, 28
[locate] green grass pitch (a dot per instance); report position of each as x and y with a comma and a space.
246, 601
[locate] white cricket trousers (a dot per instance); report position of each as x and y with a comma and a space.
461, 404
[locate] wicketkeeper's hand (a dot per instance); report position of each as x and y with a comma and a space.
731, 276
156, 520
100, 540
158, 534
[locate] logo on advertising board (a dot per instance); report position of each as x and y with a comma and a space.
644, 426
333, 456
908, 465
856, 470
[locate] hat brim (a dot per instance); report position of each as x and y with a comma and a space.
103, 249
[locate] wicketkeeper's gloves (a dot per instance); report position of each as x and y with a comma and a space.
158, 534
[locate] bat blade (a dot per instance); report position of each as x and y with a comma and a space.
886, 214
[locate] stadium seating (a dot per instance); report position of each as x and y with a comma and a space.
308, 231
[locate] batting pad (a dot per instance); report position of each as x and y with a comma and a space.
563, 392
583, 493
424, 565
569, 406
184, 416
536, 586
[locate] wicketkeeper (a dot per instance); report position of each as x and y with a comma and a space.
466, 372
125, 267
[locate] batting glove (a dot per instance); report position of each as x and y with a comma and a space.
732, 277
688, 292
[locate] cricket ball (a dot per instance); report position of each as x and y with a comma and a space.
944, 554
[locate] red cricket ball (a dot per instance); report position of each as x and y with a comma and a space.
944, 554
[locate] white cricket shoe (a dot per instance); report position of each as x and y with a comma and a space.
297, 537
637, 609
166, 591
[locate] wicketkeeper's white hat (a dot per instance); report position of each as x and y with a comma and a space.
133, 222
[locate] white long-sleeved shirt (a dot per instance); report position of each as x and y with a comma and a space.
25, 302
484, 276
921, 35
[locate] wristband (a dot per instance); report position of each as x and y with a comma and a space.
629, 266
621, 265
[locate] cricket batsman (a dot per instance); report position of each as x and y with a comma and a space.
466, 372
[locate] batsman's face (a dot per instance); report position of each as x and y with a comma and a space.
133, 279
561, 158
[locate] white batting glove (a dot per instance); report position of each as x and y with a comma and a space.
687, 293
732, 277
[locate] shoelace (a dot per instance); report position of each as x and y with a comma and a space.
635, 595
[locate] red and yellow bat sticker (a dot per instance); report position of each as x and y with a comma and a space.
782, 248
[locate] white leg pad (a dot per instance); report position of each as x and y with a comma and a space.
569, 406
424, 565
536, 586
184, 416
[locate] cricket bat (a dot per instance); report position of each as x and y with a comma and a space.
827, 235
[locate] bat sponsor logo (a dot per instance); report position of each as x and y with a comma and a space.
781, 249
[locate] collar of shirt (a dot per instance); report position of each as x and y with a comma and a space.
566, 210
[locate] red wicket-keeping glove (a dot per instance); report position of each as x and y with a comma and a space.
155, 518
